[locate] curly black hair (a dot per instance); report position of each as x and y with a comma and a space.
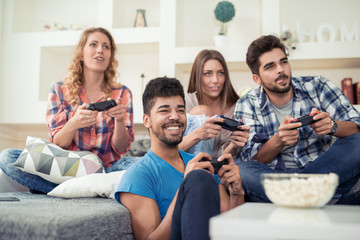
161, 87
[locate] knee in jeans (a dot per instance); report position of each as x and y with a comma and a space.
4, 155
9, 155
200, 179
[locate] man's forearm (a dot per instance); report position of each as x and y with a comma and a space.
346, 128
268, 152
236, 200
163, 231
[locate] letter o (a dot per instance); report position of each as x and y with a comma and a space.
322, 28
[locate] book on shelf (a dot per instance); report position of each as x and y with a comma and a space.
356, 92
348, 89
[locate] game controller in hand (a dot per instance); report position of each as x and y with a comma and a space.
305, 120
214, 162
101, 106
229, 124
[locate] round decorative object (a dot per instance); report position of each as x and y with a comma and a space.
224, 12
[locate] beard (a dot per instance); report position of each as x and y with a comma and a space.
276, 89
171, 141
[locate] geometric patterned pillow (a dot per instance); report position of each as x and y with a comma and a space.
51, 162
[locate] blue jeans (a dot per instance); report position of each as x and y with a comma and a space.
31, 181
343, 158
38, 184
194, 122
198, 200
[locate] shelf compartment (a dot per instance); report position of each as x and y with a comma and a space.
124, 12
192, 16
31, 15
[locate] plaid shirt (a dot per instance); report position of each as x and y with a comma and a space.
309, 92
96, 138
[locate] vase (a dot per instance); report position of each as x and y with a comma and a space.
220, 40
140, 20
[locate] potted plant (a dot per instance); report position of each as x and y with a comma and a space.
224, 13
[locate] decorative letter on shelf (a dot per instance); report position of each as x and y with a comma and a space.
326, 32
353, 35
326, 29
305, 31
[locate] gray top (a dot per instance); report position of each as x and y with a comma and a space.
288, 151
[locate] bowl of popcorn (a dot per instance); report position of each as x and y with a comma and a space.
299, 190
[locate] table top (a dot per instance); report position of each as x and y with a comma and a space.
267, 221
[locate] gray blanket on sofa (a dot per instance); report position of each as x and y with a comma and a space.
38, 216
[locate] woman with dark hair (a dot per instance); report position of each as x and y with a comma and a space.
210, 87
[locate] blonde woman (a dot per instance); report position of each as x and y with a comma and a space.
71, 126
92, 79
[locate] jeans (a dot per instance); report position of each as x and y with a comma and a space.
37, 184
194, 122
31, 181
198, 200
343, 158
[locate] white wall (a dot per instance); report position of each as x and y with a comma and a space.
1, 14
1, 48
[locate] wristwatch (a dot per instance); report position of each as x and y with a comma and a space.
334, 127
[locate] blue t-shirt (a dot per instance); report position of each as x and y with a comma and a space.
154, 178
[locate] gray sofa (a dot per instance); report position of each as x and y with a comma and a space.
39, 216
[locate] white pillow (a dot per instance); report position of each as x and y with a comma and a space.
49, 161
92, 185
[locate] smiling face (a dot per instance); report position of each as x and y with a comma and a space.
167, 120
96, 52
274, 72
213, 79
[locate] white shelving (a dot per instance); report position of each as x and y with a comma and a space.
42, 57
176, 31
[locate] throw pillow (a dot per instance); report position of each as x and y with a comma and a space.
93, 185
52, 163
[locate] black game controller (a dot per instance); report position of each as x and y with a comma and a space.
101, 106
229, 124
305, 120
216, 165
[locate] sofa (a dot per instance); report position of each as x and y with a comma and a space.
28, 215
39, 216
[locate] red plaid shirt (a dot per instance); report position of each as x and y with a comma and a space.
96, 138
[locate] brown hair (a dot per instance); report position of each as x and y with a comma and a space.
228, 94
75, 78
258, 47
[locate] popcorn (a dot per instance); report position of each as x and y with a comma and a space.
300, 190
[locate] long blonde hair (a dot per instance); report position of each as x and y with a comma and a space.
75, 78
